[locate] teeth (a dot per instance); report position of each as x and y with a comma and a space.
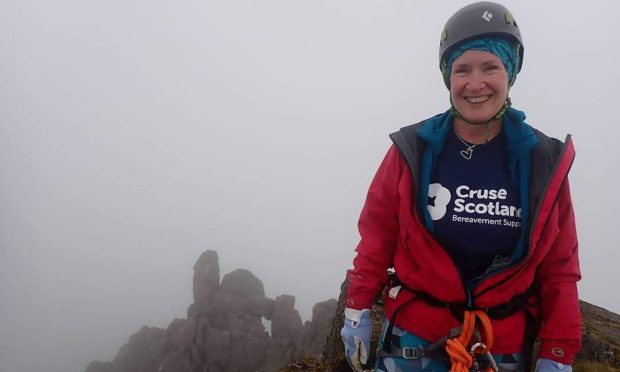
477, 99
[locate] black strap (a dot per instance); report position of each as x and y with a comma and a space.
408, 352
387, 338
531, 331
497, 312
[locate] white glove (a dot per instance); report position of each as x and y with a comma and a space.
548, 365
356, 337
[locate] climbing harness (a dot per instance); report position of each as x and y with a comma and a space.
478, 337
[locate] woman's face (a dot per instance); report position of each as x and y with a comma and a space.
478, 85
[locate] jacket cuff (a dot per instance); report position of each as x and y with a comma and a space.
556, 351
354, 315
361, 300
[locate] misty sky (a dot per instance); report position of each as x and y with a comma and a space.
134, 135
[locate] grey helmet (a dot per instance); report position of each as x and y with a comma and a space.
477, 20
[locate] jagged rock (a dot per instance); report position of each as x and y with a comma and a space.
175, 361
286, 325
179, 354
236, 339
97, 366
143, 352
206, 280
248, 348
600, 335
285, 345
262, 306
202, 328
316, 331
182, 333
218, 345
333, 352
223, 309
223, 331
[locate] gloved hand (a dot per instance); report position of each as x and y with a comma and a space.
356, 337
548, 365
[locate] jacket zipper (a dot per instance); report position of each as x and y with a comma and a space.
534, 223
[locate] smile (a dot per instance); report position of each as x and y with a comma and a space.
478, 99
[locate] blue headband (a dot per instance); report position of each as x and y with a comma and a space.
503, 49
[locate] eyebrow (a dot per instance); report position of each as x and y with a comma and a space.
487, 62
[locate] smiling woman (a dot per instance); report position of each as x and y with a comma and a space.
472, 210
136, 134
478, 88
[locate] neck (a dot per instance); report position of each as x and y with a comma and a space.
477, 133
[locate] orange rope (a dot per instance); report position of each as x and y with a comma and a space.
460, 357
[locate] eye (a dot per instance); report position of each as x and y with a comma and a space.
459, 70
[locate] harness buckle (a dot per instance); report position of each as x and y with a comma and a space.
412, 352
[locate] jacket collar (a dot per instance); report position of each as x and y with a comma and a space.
521, 136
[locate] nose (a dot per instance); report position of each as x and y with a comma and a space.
476, 83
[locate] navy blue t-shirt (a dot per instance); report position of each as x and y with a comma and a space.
474, 204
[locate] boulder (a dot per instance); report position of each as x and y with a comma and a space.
242, 283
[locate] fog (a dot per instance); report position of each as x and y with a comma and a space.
134, 135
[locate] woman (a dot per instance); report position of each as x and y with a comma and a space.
472, 210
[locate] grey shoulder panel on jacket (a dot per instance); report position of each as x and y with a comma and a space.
406, 140
548, 146
546, 156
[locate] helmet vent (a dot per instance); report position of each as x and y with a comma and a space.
510, 19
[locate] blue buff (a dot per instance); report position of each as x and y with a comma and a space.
502, 48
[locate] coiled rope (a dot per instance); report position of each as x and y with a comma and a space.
461, 358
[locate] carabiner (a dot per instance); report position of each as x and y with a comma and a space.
476, 366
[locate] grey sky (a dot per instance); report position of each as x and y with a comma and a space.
136, 134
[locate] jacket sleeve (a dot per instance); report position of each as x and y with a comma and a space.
378, 228
557, 276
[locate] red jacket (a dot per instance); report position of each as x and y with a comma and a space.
394, 235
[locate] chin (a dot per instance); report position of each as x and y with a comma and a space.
479, 115
478, 118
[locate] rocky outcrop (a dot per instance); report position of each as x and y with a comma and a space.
600, 335
224, 329
206, 281
315, 332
